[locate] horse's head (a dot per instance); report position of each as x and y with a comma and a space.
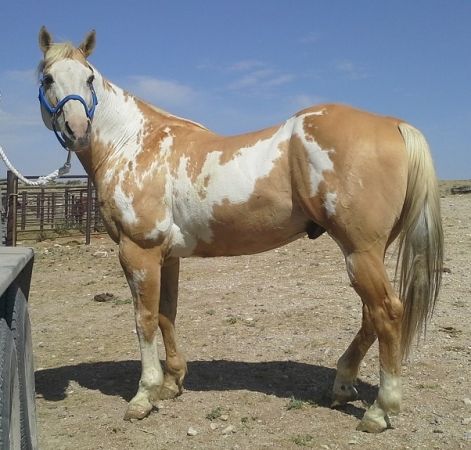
66, 93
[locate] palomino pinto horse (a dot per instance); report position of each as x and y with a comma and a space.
170, 188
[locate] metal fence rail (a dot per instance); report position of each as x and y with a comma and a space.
59, 209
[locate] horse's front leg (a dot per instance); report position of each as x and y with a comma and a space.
142, 269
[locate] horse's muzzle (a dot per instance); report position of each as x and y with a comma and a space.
77, 134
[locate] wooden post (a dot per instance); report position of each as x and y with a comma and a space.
88, 223
23, 210
53, 206
96, 211
41, 213
38, 206
66, 207
47, 201
12, 198
79, 208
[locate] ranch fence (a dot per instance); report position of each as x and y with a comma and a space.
65, 208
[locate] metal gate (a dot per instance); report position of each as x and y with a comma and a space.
57, 209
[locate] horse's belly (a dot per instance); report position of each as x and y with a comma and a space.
238, 233
233, 244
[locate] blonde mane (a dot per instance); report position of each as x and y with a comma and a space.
56, 52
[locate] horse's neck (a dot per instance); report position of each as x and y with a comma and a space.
117, 125
118, 117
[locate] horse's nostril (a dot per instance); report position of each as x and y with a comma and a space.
69, 130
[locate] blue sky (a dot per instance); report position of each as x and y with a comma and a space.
241, 65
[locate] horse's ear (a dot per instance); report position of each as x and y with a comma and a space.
88, 44
45, 39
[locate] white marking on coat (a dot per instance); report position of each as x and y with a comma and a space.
389, 395
152, 374
350, 267
166, 143
162, 227
125, 206
321, 112
232, 182
330, 202
139, 276
119, 121
319, 159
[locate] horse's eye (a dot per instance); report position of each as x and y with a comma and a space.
47, 80
90, 79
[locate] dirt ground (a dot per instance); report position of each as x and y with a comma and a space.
261, 334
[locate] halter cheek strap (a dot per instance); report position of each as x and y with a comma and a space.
54, 111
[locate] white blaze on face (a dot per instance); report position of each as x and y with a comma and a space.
70, 78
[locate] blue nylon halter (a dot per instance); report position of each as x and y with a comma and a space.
54, 111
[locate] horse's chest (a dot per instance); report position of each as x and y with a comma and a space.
139, 213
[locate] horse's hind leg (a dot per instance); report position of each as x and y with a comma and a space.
348, 365
369, 278
175, 365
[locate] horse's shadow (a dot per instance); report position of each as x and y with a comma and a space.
284, 379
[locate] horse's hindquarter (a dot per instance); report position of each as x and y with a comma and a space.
349, 170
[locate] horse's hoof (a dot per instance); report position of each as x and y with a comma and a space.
169, 392
136, 411
347, 393
372, 426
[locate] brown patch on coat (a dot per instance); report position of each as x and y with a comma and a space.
107, 86
150, 207
150, 149
96, 164
135, 258
268, 219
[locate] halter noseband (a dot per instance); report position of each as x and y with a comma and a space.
55, 111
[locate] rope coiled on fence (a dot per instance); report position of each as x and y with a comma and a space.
41, 180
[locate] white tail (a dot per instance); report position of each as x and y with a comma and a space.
421, 239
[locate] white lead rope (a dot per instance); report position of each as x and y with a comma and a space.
41, 180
